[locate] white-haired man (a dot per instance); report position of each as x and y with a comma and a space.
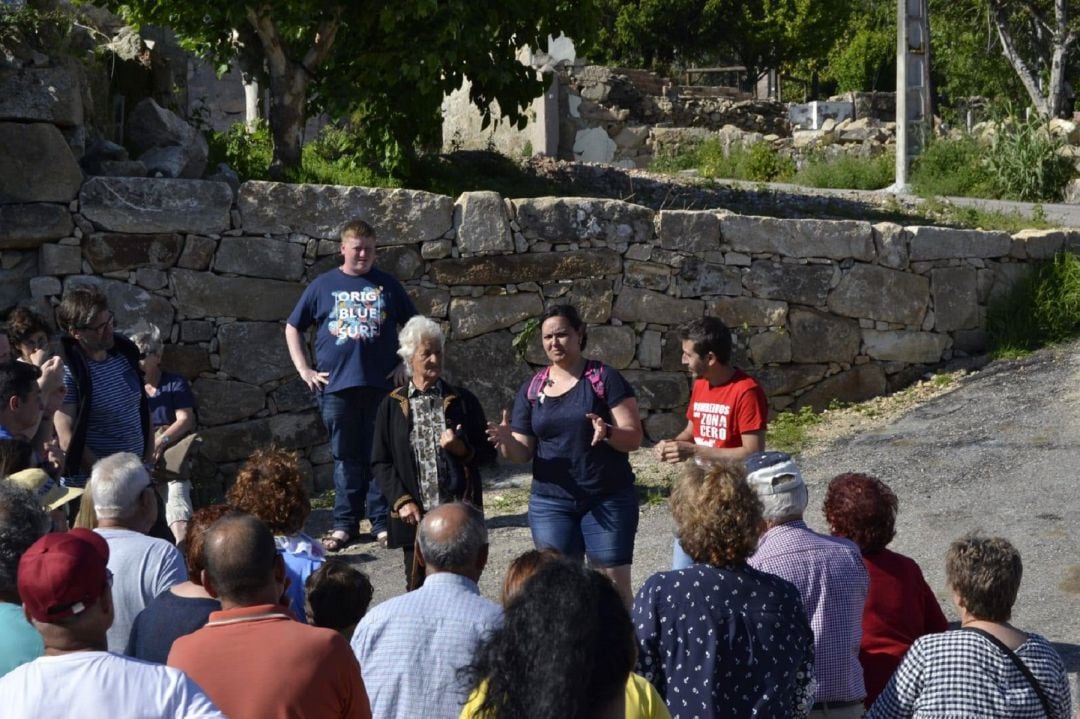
142, 566
829, 574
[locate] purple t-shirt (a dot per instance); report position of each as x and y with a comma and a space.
356, 322
565, 464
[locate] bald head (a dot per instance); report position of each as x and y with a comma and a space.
241, 559
453, 538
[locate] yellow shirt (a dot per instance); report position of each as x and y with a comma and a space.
642, 701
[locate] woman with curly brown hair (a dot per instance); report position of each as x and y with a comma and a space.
270, 487
900, 606
720, 638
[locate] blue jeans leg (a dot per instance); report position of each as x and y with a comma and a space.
679, 558
349, 416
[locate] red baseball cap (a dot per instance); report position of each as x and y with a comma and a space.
63, 574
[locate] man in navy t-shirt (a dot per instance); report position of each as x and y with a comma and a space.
356, 310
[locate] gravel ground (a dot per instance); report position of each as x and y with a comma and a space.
997, 450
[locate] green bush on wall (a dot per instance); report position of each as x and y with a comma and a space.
1043, 307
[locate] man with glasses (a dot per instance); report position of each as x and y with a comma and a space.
143, 566
105, 409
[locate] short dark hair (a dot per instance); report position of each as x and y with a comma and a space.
22, 522
863, 509
708, 335
80, 305
337, 595
357, 228
985, 572
239, 552
570, 313
17, 379
23, 322
15, 456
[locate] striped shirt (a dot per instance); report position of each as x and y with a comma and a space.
830, 575
114, 424
962, 674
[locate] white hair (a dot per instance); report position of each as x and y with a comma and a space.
116, 483
415, 331
147, 337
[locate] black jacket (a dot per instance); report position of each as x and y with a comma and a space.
394, 464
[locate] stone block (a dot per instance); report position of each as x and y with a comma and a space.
260, 257
60, 260
495, 380
955, 293
45, 286
42, 94
891, 241
470, 316
770, 347
592, 298
881, 294
659, 390
1042, 244
142, 205
130, 304
647, 275
15, 278
293, 396
572, 219
109, 252
482, 224
398, 216
296, 430
221, 402
740, 311
1006, 275
649, 349
186, 161
671, 354
833, 239
151, 279
593, 145
430, 302
689, 231
254, 352
235, 442
436, 249
203, 294
855, 385
697, 279
38, 164
196, 331
403, 262
943, 243
664, 425
197, 254
636, 305
26, 227
802, 284
537, 267
187, 360
614, 346
820, 337
901, 346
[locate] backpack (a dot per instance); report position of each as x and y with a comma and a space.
593, 372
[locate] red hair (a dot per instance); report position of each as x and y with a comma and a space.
863, 509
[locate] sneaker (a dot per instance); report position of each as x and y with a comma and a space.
382, 538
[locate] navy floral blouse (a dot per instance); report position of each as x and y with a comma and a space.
725, 642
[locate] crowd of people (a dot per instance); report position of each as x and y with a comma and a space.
118, 598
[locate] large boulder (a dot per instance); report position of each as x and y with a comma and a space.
37, 164
482, 224
943, 243
739, 311
140, 205
689, 231
659, 390
496, 379
955, 292
15, 279
110, 252
42, 94
634, 305
857, 384
168, 146
911, 347
571, 219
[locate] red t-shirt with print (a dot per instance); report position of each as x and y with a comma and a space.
721, 414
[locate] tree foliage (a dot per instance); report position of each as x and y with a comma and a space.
864, 54
385, 64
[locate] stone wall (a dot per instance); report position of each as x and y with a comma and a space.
823, 310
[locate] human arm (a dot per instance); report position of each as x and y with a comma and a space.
383, 465
678, 449
185, 422
512, 445
314, 379
64, 423
625, 432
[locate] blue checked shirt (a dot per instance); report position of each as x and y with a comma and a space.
411, 647
830, 575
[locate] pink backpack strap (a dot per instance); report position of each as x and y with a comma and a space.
536, 385
594, 372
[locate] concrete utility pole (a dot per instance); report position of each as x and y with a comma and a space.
913, 114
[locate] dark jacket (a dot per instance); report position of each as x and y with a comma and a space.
394, 464
80, 373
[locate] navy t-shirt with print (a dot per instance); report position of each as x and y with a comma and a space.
173, 393
564, 463
356, 318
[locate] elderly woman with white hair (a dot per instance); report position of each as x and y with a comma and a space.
430, 439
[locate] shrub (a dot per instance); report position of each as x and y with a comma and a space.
1043, 307
848, 172
1024, 163
952, 167
759, 162
247, 152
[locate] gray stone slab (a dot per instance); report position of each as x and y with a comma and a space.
955, 292
689, 231
254, 352
42, 94
26, 227
832, 239
37, 163
482, 224
203, 294
902, 346
855, 385
536, 267
144, 205
109, 252
130, 303
570, 219
221, 402
939, 243
472, 316
803, 284
879, 293
820, 337
635, 305
739, 311
260, 257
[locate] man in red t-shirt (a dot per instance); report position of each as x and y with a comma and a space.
728, 412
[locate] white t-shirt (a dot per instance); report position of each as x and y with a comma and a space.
102, 684
143, 567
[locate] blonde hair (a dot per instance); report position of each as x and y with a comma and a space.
717, 515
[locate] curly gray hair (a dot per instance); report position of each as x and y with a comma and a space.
415, 331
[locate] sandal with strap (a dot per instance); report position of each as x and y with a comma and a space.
337, 540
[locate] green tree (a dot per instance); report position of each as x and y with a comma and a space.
390, 63
864, 55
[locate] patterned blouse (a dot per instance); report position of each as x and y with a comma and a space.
428, 423
962, 674
725, 642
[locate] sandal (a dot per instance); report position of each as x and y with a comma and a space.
337, 540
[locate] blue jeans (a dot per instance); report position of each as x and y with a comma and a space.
601, 528
349, 416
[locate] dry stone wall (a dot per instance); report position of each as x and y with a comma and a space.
823, 310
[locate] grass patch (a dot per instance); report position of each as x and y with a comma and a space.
1042, 308
848, 172
514, 500
952, 168
759, 162
323, 500
788, 431
965, 216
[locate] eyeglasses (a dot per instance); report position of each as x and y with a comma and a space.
101, 325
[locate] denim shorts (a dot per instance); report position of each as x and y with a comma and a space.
601, 528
